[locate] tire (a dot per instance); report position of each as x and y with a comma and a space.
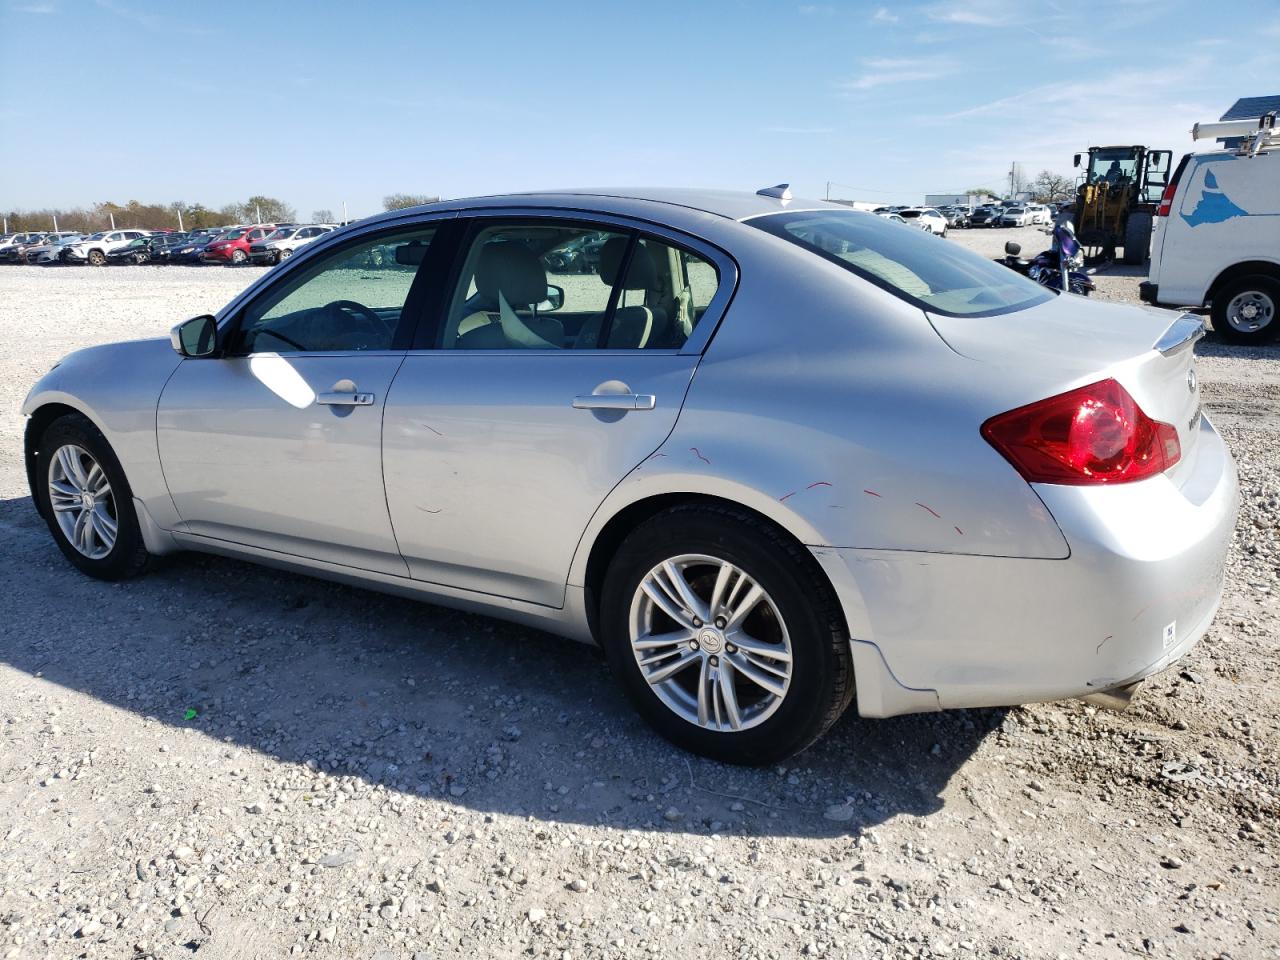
126, 556
284, 254
1247, 310
238, 257
96, 258
798, 610
1137, 239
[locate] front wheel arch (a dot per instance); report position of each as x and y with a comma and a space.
37, 424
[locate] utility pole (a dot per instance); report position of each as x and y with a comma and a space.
113, 219
828, 196
344, 213
179, 219
55, 223
257, 210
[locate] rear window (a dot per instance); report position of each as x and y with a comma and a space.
914, 265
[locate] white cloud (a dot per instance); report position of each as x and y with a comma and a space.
882, 71
33, 8
975, 13
884, 15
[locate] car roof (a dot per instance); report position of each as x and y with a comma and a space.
730, 204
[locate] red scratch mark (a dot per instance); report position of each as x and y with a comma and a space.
698, 454
425, 510
959, 531
1140, 612
930, 509
819, 483
787, 496
433, 430
871, 493
1098, 648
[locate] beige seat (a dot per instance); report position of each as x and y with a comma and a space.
633, 327
509, 279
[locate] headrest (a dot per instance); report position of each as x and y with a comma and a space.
515, 270
643, 275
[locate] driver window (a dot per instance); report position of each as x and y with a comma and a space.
349, 299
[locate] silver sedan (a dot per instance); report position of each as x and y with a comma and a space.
774, 456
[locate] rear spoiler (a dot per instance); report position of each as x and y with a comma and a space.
1181, 335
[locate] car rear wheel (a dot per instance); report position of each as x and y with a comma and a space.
726, 635
86, 501
97, 258
1247, 310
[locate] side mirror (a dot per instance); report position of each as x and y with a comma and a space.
555, 299
1076, 161
197, 337
1012, 248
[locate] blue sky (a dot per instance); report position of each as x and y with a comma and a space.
319, 103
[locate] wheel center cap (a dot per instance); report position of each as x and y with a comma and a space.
710, 641
86, 501
1249, 310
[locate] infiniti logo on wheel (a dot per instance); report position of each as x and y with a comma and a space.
1191, 380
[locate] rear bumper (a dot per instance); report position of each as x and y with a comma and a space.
1149, 292
1140, 588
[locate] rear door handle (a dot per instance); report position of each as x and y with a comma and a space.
335, 398
615, 401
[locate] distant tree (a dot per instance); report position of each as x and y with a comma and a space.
322, 216
981, 192
398, 201
1050, 187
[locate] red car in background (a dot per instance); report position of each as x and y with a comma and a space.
233, 245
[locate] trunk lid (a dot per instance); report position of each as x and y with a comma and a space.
1072, 342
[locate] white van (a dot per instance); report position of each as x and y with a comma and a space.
1216, 241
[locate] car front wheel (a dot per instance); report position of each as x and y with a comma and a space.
86, 501
726, 635
97, 258
238, 257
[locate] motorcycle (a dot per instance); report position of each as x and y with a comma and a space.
1058, 268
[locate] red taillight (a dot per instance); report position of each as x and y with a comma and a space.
1096, 434
1166, 199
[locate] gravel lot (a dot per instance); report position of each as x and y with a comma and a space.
370, 777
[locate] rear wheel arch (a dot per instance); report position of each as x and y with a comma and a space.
611, 536
1247, 268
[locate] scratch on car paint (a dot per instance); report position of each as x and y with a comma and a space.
786, 496
698, 454
871, 493
959, 531
433, 430
425, 510
1098, 648
817, 483
930, 509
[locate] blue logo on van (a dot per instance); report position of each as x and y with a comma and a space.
1214, 206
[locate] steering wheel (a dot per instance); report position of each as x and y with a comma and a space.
264, 332
337, 308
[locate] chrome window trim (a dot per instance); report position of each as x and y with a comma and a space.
719, 258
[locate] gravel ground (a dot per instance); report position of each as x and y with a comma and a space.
222, 760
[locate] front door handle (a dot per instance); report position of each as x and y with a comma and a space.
337, 398
615, 401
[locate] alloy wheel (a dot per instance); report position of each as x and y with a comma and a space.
710, 642
1250, 311
82, 501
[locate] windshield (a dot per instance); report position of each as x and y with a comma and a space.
909, 214
284, 233
231, 235
910, 264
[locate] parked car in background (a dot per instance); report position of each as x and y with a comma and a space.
282, 244
233, 246
957, 217
985, 217
13, 252
11, 240
926, 218
191, 250
135, 251
890, 215
93, 250
51, 250
161, 247
1014, 217
631, 462
1038, 213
